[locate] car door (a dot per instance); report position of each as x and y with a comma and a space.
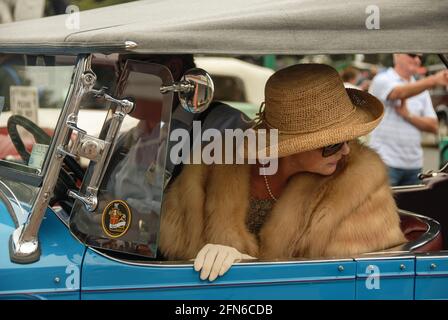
56, 275
431, 280
428, 199
384, 276
108, 277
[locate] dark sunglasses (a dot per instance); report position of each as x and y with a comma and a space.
332, 149
413, 55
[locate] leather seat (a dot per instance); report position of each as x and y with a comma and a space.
414, 230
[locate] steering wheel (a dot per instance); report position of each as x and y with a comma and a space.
67, 178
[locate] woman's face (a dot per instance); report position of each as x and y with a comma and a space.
313, 161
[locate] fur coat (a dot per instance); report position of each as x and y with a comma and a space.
349, 212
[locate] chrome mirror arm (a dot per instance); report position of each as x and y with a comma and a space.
195, 90
90, 201
183, 86
125, 105
72, 123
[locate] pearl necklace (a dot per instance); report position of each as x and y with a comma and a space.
269, 188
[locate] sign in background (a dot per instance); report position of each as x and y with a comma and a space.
24, 101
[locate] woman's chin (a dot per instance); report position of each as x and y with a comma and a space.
329, 169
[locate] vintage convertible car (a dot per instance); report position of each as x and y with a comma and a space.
70, 233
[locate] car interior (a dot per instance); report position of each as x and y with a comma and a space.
421, 207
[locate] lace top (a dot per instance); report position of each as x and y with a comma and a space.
259, 210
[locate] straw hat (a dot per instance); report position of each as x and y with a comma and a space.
310, 107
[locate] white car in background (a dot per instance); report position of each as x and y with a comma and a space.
238, 83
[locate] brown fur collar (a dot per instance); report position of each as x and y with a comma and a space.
349, 212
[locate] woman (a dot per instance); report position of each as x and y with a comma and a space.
329, 197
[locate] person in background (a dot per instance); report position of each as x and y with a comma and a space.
365, 77
408, 111
350, 77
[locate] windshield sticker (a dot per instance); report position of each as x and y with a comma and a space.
38, 156
116, 218
24, 101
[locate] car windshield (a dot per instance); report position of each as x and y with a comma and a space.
130, 194
32, 94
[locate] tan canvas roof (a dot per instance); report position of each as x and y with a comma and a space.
239, 27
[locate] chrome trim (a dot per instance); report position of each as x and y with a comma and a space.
130, 45
24, 244
233, 284
432, 232
409, 187
22, 250
440, 255
431, 174
123, 108
404, 251
95, 149
177, 264
379, 256
182, 86
427, 175
89, 201
444, 168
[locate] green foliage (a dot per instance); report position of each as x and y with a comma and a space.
92, 4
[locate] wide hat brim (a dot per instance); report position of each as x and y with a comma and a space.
366, 116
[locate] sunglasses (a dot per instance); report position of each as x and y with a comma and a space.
413, 55
332, 149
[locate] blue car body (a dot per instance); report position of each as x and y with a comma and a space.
69, 270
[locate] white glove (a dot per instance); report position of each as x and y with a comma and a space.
216, 259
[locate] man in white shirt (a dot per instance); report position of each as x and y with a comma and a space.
408, 110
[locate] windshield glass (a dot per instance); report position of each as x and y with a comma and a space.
20, 196
32, 94
129, 199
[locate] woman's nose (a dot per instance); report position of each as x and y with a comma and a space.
345, 149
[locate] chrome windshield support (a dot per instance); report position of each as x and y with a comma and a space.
24, 243
99, 151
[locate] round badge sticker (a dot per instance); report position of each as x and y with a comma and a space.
116, 218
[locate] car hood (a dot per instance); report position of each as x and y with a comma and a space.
7, 218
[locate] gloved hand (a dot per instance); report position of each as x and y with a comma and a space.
216, 259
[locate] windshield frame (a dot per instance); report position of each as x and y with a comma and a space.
80, 218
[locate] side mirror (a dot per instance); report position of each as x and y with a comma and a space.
195, 90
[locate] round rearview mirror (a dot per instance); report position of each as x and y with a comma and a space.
200, 93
